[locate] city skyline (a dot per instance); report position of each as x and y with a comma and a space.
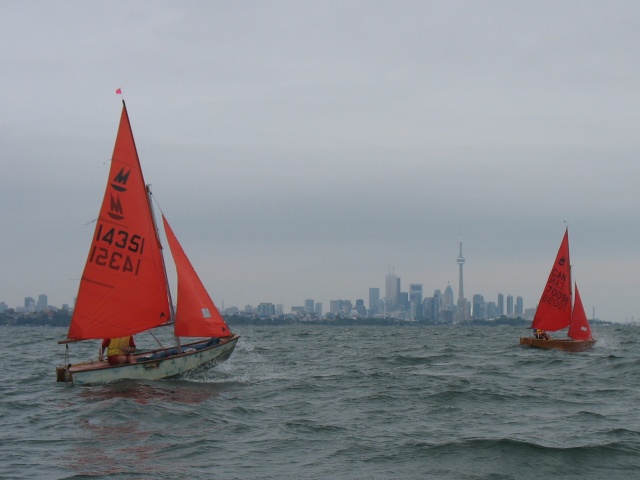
394, 299
389, 301
392, 302
30, 305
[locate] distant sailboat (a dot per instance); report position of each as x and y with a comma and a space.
555, 311
124, 288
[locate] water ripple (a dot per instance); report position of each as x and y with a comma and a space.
346, 402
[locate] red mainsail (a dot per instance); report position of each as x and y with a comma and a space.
554, 308
579, 328
196, 314
123, 289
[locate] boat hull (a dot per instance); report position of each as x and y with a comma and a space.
194, 356
567, 345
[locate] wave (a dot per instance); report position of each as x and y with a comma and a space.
364, 402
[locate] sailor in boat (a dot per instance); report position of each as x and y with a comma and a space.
119, 350
540, 334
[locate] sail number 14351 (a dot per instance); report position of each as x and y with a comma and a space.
120, 259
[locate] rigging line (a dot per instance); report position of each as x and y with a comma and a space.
153, 197
156, 339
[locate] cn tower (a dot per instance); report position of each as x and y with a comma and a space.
461, 313
461, 263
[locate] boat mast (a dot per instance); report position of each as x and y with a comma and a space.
172, 312
153, 221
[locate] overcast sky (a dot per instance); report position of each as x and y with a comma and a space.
300, 149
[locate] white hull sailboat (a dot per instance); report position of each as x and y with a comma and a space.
152, 365
124, 288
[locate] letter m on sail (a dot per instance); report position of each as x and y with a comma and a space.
115, 208
120, 182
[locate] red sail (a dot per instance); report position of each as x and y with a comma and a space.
196, 315
123, 289
554, 308
579, 328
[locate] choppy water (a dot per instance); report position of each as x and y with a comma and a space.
320, 402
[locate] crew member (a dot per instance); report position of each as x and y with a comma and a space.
540, 334
119, 350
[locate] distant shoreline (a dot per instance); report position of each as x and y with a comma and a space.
62, 319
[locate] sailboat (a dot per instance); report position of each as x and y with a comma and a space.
555, 311
124, 288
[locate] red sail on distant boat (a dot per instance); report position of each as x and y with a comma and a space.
579, 328
554, 308
124, 290
555, 311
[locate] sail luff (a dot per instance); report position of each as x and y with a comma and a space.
554, 308
123, 289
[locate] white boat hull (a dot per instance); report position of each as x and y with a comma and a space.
171, 366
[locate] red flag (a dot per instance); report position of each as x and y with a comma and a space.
119, 91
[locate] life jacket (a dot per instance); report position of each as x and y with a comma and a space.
117, 346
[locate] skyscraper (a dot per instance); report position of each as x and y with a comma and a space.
392, 291
436, 304
479, 311
43, 303
308, 305
415, 301
448, 305
448, 301
415, 293
519, 306
374, 300
29, 304
266, 309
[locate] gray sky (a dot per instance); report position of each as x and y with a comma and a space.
299, 149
